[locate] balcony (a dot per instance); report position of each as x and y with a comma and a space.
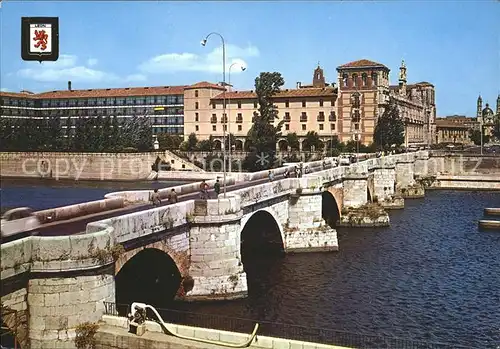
321, 117
213, 119
239, 119
303, 117
286, 118
332, 116
223, 120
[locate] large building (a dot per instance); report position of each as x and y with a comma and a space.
486, 116
455, 129
163, 105
346, 109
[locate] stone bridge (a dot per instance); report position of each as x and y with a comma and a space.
63, 281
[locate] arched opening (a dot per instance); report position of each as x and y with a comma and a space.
283, 145
260, 240
217, 144
369, 197
151, 277
238, 145
248, 145
329, 209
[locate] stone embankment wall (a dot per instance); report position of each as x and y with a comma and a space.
86, 166
113, 334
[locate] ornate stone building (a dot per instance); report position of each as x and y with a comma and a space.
454, 129
370, 80
486, 116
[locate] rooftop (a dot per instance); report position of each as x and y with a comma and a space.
287, 93
362, 63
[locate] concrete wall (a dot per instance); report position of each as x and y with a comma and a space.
116, 339
78, 166
484, 182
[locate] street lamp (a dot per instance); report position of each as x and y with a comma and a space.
229, 116
482, 140
203, 43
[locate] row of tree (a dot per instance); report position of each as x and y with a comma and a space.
88, 134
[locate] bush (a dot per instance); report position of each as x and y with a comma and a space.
85, 335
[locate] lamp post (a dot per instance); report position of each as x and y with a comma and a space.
482, 140
203, 43
229, 116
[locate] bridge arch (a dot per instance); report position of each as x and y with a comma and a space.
331, 207
11, 328
150, 275
261, 235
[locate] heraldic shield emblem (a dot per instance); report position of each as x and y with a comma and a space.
40, 38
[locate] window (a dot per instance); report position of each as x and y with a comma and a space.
239, 105
239, 118
224, 119
374, 79
197, 128
196, 105
240, 127
355, 80
320, 102
196, 117
225, 128
214, 127
332, 116
303, 117
332, 127
196, 93
213, 120
287, 116
364, 78
303, 127
287, 127
287, 104
321, 116
303, 104
356, 126
345, 78
321, 127
255, 105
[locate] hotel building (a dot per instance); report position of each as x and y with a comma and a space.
347, 109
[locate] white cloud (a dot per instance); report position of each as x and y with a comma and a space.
4, 89
66, 68
210, 62
91, 62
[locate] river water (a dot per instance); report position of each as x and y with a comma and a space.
430, 276
40, 194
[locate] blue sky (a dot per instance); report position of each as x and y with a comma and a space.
453, 44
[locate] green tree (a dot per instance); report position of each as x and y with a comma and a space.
169, 142
55, 141
116, 132
263, 134
390, 127
230, 136
144, 141
192, 142
293, 141
206, 145
312, 140
79, 137
107, 134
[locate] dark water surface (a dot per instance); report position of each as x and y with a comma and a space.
431, 276
41, 194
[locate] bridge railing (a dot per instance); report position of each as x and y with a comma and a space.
284, 330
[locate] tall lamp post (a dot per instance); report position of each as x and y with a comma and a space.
229, 116
482, 139
203, 43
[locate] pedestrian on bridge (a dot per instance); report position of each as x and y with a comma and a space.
217, 188
155, 198
172, 197
204, 190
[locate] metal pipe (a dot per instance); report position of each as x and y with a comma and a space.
203, 43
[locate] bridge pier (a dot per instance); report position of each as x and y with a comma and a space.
306, 230
406, 186
421, 166
355, 190
384, 180
216, 268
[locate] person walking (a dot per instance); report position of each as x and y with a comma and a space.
172, 197
155, 198
271, 176
217, 188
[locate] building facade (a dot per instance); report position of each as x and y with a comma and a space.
486, 116
347, 109
164, 105
455, 129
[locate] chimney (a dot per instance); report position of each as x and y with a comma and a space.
299, 84
69, 85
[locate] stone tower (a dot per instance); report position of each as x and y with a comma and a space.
402, 79
498, 106
319, 77
479, 108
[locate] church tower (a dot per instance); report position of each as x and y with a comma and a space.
319, 77
479, 108
402, 79
498, 106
